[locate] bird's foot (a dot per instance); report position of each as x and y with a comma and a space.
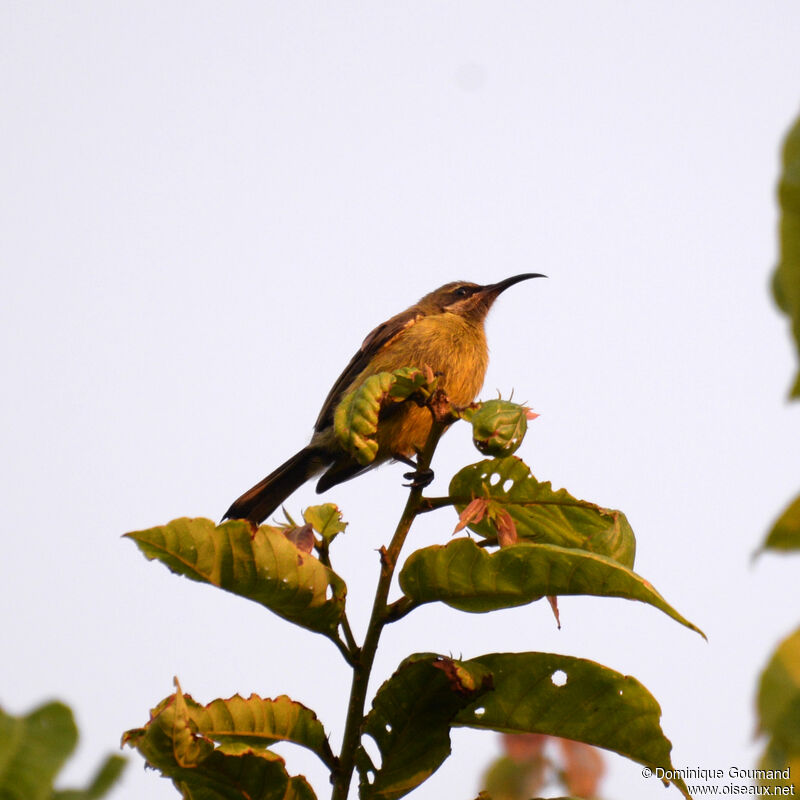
419, 478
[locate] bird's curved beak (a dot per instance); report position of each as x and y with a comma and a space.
489, 293
494, 289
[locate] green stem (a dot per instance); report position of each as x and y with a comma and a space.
364, 659
348, 635
434, 503
349, 651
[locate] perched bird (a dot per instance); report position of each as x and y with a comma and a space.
443, 331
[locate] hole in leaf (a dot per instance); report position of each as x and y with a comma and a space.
559, 677
370, 776
479, 712
495, 479
388, 728
507, 484
373, 751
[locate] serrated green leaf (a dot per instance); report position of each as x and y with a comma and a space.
262, 722
326, 519
264, 567
572, 698
542, 514
219, 751
785, 533
468, 578
779, 694
498, 427
786, 278
355, 419
410, 722
33, 749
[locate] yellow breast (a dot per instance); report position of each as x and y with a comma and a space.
455, 350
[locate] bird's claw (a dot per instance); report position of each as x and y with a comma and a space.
419, 478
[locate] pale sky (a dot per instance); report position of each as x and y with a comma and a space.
206, 206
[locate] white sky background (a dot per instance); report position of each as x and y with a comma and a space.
206, 206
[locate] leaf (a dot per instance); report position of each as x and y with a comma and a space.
498, 426
553, 601
326, 519
786, 278
509, 779
782, 762
785, 533
540, 513
302, 537
467, 577
219, 750
33, 749
572, 698
779, 694
355, 419
264, 567
101, 784
474, 511
410, 722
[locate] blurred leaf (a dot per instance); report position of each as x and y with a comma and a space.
572, 698
540, 513
778, 758
467, 577
410, 722
786, 278
507, 779
263, 566
785, 533
583, 768
33, 749
179, 741
326, 519
779, 694
498, 426
101, 784
355, 419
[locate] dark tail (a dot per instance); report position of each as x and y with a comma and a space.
258, 503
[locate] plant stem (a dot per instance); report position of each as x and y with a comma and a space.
364, 659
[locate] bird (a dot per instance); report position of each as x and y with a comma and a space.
443, 331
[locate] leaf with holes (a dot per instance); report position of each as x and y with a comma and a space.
410, 722
263, 566
498, 426
572, 698
466, 577
220, 750
540, 513
785, 533
786, 279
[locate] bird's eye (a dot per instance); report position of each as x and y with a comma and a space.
462, 291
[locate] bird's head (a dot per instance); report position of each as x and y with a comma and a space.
469, 300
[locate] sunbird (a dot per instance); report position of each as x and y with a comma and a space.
444, 331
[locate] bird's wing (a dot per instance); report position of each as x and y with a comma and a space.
381, 337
